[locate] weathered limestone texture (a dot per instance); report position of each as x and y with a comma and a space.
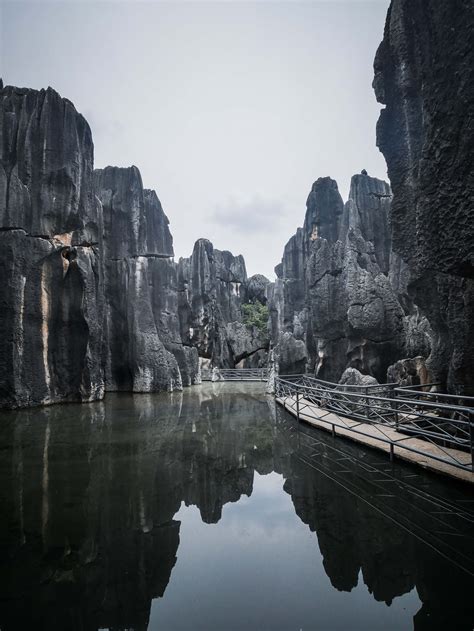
142, 336
333, 305
213, 286
51, 294
424, 74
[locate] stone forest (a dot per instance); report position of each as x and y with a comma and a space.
366, 331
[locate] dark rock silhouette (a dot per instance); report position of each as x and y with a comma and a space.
334, 305
51, 293
140, 288
213, 286
424, 76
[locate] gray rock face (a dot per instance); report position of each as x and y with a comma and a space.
165, 304
352, 377
367, 209
244, 342
142, 331
324, 211
45, 171
334, 296
257, 287
50, 253
409, 372
424, 76
91, 297
213, 286
292, 354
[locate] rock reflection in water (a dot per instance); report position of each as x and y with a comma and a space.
89, 534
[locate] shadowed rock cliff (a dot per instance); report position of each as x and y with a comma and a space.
334, 305
90, 298
140, 288
424, 74
50, 252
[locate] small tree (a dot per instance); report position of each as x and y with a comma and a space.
255, 314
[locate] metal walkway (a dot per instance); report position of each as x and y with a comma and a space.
235, 374
432, 430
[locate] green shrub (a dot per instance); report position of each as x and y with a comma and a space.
255, 314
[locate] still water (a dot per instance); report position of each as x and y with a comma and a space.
211, 509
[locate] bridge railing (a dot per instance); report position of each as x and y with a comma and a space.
446, 425
419, 393
235, 374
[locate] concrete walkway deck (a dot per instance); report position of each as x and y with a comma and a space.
372, 435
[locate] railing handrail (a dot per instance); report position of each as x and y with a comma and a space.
437, 423
434, 394
399, 389
420, 385
342, 385
234, 374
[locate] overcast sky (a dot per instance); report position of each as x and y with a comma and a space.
230, 109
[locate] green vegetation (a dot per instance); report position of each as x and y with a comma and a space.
255, 314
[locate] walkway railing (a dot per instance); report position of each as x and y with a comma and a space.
389, 414
235, 374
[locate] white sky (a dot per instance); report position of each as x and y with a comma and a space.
230, 109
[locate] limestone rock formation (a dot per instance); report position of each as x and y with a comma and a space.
92, 299
246, 341
353, 377
409, 372
334, 296
140, 288
257, 288
213, 286
50, 253
424, 73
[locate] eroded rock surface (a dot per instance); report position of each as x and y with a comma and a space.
334, 295
142, 332
91, 298
424, 73
213, 287
51, 294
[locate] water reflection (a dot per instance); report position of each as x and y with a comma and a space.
93, 498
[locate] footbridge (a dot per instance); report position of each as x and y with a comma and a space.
433, 430
235, 374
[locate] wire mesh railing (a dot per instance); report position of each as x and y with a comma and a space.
235, 374
385, 412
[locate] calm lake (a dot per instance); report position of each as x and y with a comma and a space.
212, 509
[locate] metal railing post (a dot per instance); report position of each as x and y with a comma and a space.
471, 438
435, 423
395, 407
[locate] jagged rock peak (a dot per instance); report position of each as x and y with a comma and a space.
257, 288
134, 221
226, 266
213, 287
333, 296
46, 166
367, 210
50, 253
324, 210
